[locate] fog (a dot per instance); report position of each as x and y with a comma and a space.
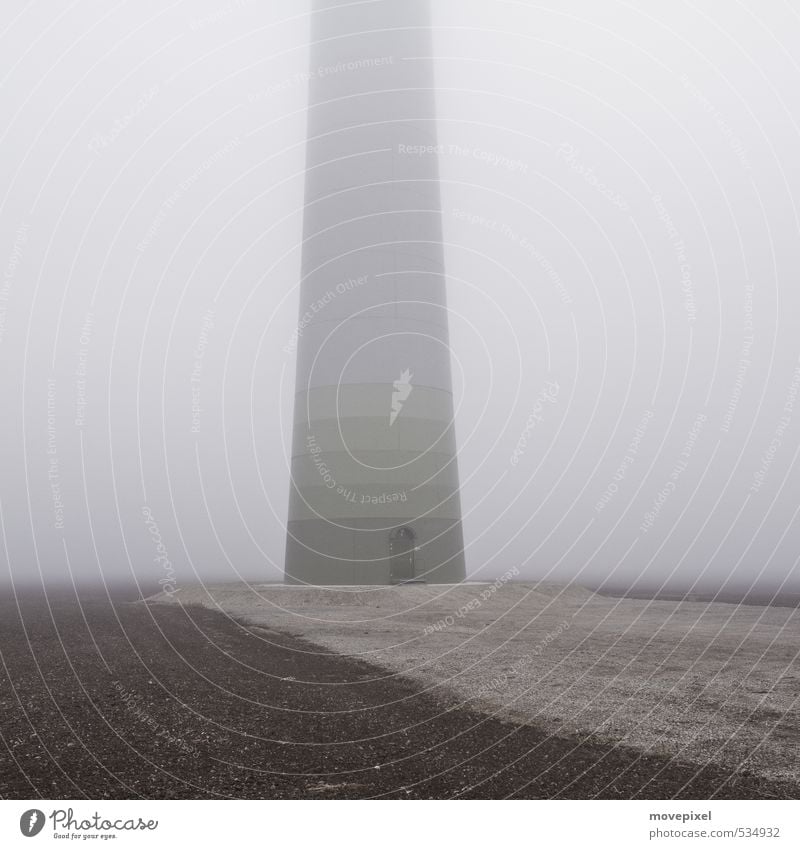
621, 240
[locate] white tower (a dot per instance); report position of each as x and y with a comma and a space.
375, 487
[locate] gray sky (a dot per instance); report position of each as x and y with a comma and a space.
621, 231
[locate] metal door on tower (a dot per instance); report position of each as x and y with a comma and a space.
402, 549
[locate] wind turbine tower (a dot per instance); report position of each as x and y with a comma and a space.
375, 488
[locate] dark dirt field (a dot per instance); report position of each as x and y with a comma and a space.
117, 700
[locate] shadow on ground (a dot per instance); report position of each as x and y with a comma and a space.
107, 699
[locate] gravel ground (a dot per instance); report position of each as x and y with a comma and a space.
119, 700
709, 683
